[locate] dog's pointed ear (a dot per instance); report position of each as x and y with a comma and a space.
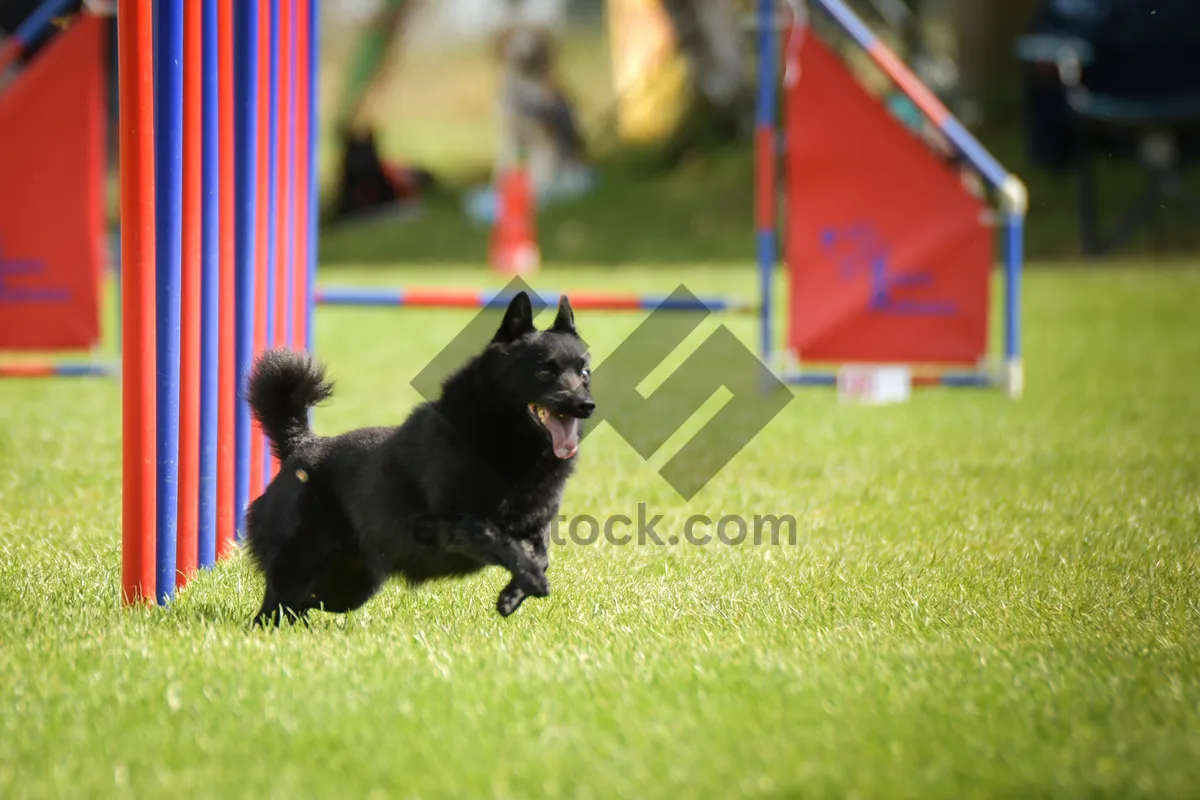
518, 320
564, 320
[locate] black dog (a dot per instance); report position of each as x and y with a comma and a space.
471, 480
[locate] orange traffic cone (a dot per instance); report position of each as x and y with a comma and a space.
514, 239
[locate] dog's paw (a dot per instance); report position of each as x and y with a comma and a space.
535, 584
510, 599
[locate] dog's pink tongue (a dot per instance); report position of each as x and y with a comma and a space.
565, 433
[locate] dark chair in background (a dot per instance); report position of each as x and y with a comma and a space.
1121, 78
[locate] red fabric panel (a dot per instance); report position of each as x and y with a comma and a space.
51, 195
889, 255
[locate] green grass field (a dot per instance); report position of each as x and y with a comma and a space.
986, 597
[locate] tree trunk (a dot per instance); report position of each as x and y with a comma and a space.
708, 36
986, 32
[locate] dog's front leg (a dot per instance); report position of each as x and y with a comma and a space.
512, 596
482, 542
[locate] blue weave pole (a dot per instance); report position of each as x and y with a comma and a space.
245, 186
210, 287
168, 181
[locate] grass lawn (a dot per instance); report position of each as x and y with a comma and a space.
985, 598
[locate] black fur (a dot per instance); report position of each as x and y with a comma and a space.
468, 481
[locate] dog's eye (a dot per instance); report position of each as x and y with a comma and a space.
545, 374
587, 375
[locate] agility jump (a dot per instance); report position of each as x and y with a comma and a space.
889, 257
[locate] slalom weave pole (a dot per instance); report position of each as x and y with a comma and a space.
187, 525
262, 224
313, 188
138, 463
286, 328
300, 205
168, 252
274, 204
227, 391
210, 364
247, 229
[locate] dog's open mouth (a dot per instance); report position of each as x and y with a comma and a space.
563, 429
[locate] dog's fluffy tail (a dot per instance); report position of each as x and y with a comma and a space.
283, 385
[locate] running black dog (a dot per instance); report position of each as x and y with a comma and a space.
470, 480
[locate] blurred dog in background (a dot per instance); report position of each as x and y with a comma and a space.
538, 124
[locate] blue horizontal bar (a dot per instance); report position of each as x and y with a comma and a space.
359, 297
85, 370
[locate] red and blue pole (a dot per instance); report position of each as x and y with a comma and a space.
57, 369
765, 146
467, 298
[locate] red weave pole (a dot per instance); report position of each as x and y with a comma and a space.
284, 246
257, 443
188, 511
300, 190
138, 418
227, 379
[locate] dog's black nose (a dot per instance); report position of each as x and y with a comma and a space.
585, 408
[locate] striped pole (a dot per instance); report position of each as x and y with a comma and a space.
466, 298
168, 71
57, 369
764, 237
